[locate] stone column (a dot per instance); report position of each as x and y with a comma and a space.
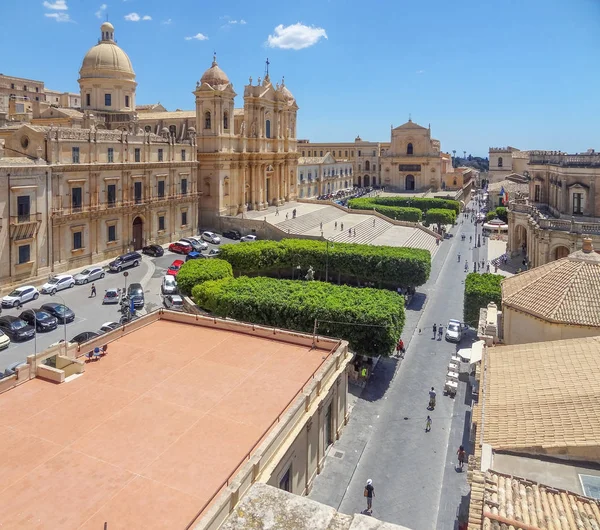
278, 183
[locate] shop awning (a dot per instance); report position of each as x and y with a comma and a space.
473, 354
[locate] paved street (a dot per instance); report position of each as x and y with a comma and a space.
414, 475
90, 314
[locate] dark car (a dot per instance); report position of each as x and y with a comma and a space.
153, 250
131, 259
63, 314
136, 293
16, 328
232, 234
85, 336
42, 320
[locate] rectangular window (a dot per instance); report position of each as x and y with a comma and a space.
77, 240
127, 101
374, 152
112, 233
137, 154
107, 100
37, 89
577, 203
137, 192
88, 100
75, 155
359, 153
184, 187
161, 188
352, 154
23, 207
183, 218
302, 153
183, 155
285, 482
537, 194
160, 155
346, 154
111, 195
321, 153
25, 88
76, 198
12, 85
161, 222
37, 98
24, 254
111, 155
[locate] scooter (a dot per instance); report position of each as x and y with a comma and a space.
459, 258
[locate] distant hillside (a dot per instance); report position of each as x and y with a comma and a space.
482, 164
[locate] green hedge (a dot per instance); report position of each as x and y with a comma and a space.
480, 290
393, 212
393, 266
440, 216
501, 213
296, 304
197, 271
422, 203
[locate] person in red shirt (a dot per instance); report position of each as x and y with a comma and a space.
400, 346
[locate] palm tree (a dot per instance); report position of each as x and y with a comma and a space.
464, 155
453, 157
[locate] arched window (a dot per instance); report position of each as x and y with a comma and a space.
454, 182
173, 130
499, 161
367, 166
207, 120
409, 149
226, 120
268, 129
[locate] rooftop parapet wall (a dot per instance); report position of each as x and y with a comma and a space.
507, 149
558, 158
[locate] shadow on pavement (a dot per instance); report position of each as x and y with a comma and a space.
417, 302
380, 379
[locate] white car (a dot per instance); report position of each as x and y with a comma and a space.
20, 295
248, 238
4, 340
174, 302
454, 331
169, 285
211, 237
109, 326
90, 274
58, 283
203, 244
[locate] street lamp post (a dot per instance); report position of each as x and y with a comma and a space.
34, 339
64, 318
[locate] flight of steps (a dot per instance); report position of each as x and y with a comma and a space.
365, 231
304, 223
421, 239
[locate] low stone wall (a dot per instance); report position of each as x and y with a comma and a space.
261, 229
55, 375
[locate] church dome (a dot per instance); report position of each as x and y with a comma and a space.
215, 77
106, 59
287, 95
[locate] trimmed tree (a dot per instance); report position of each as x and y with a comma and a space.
422, 203
501, 213
440, 216
480, 290
197, 271
371, 320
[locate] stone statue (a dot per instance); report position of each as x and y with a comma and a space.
250, 80
310, 275
259, 81
253, 129
243, 128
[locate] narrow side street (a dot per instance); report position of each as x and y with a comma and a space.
414, 472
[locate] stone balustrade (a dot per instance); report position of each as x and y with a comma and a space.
549, 223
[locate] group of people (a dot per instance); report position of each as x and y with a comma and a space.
439, 330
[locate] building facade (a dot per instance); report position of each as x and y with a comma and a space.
323, 175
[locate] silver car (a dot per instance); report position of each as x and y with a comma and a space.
58, 283
454, 331
211, 237
173, 302
169, 285
91, 274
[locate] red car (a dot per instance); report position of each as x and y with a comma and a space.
174, 267
181, 247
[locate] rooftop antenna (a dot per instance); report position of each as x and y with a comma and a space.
267, 69
409, 116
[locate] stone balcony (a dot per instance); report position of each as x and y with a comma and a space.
575, 225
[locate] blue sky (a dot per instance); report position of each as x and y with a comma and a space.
523, 73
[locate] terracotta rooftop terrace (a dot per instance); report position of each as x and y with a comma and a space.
149, 433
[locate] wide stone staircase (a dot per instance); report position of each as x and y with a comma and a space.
365, 231
421, 239
304, 223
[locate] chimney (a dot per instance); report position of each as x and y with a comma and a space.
587, 245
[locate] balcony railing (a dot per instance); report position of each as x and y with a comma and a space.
546, 222
25, 218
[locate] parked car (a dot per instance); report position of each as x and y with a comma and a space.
16, 328
232, 234
196, 245
454, 331
20, 295
131, 259
155, 251
63, 314
213, 252
85, 336
4, 340
194, 255
42, 320
174, 302
203, 244
180, 247
211, 237
112, 296
174, 267
91, 274
11, 369
248, 238
136, 293
58, 283
109, 326
169, 285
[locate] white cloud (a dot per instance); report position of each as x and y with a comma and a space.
198, 36
100, 12
133, 17
59, 17
231, 22
242, 22
146, 17
420, 72
295, 36
167, 22
58, 5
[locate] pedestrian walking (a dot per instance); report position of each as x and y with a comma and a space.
373, 222
349, 232
321, 225
335, 226
294, 213
287, 214
355, 232
428, 424
93, 293
400, 347
434, 330
342, 227
461, 456
369, 493
276, 211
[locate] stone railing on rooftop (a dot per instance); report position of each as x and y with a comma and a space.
546, 222
556, 158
